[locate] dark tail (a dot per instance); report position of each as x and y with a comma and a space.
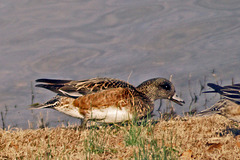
52, 84
217, 88
51, 87
53, 81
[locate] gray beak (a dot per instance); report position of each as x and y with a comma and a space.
176, 99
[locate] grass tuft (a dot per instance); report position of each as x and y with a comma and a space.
192, 137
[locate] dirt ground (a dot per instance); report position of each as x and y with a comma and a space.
213, 137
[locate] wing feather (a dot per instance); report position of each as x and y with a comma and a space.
231, 92
74, 89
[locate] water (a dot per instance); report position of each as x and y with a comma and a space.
106, 38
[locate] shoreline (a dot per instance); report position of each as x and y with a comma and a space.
213, 137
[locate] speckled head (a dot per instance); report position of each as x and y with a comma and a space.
160, 88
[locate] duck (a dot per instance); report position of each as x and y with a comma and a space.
106, 100
229, 105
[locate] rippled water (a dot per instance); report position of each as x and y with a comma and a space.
85, 39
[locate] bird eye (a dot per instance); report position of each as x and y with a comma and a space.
166, 87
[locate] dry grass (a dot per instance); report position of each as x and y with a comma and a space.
212, 137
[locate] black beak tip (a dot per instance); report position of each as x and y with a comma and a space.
179, 102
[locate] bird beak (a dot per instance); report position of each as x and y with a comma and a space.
176, 99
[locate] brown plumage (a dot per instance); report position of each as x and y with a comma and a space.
106, 99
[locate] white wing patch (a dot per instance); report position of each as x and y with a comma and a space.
71, 94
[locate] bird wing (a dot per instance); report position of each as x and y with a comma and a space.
74, 89
231, 92
215, 109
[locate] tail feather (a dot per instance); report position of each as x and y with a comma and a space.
209, 92
232, 87
231, 92
216, 87
59, 86
53, 81
51, 87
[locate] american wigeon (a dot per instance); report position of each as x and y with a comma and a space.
105, 99
229, 105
